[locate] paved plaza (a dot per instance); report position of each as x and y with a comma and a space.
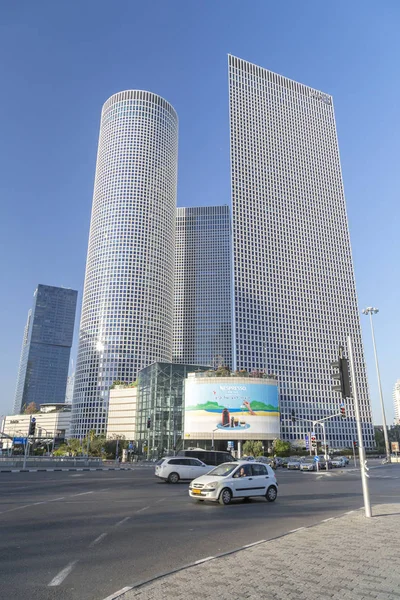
343, 558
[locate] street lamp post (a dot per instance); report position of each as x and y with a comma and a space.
370, 310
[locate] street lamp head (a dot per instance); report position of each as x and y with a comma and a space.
370, 310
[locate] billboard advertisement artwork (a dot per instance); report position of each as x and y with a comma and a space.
235, 408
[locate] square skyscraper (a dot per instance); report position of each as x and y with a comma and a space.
46, 347
293, 281
202, 313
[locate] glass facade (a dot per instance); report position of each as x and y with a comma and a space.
202, 318
127, 311
161, 402
294, 290
46, 347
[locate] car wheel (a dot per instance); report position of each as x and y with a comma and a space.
199, 500
271, 494
173, 478
225, 496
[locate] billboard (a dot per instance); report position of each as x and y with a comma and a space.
237, 409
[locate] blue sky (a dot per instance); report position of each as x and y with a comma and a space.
61, 61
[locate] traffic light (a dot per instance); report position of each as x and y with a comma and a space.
343, 411
148, 423
32, 426
355, 444
341, 376
293, 416
313, 441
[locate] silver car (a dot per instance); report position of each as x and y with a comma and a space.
294, 463
308, 464
338, 462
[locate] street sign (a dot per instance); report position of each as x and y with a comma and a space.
316, 458
307, 440
19, 440
230, 445
130, 446
395, 446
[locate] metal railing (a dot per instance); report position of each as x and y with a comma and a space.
17, 462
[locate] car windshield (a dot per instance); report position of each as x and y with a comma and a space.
223, 470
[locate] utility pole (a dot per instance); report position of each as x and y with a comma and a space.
372, 311
363, 466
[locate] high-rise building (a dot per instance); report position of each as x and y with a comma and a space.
202, 320
46, 347
127, 310
293, 282
396, 402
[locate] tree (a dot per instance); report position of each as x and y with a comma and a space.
110, 445
281, 448
253, 448
73, 447
30, 409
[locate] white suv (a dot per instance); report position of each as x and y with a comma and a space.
240, 479
174, 468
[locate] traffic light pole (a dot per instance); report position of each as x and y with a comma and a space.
361, 449
354, 456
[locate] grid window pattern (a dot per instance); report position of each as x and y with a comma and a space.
202, 318
293, 281
46, 347
127, 311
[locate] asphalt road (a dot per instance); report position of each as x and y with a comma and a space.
83, 536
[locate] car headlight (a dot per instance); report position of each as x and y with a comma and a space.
211, 486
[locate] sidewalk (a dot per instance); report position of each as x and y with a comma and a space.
344, 558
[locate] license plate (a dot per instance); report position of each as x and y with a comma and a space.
196, 491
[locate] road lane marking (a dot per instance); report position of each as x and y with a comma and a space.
254, 544
55, 499
202, 560
326, 520
16, 508
119, 593
81, 494
160, 500
142, 509
298, 529
97, 540
122, 521
349, 512
59, 578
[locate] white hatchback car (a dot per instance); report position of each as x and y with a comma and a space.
240, 479
174, 468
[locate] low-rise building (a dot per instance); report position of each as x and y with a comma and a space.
52, 421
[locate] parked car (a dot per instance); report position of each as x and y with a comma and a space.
266, 460
308, 464
209, 457
294, 463
172, 469
241, 479
338, 461
322, 462
250, 458
279, 461
284, 462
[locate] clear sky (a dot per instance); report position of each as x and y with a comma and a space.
60, 61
